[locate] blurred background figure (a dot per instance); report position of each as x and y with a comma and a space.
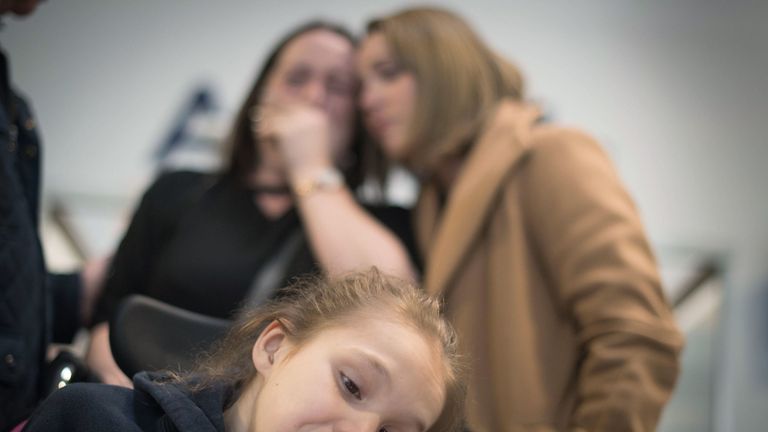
527, 233
283, 203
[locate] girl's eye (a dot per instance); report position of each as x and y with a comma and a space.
351, 387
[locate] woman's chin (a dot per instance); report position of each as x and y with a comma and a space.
395, 150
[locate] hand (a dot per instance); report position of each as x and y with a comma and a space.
100, 360
299, 133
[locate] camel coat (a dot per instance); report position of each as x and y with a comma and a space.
550, 282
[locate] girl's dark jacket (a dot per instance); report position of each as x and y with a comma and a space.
155, 404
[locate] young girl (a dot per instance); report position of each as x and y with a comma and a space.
364, 352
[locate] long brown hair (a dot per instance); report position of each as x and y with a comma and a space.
241, 146
460, 80
313, 304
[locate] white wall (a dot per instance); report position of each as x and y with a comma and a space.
677, 91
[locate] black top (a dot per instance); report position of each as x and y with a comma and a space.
199, 242
154, 405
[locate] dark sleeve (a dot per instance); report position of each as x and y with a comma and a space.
150, 229
65, 292
85, 408
399, 221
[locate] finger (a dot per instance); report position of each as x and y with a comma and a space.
260, 120
266, 113
266, 123
281, 98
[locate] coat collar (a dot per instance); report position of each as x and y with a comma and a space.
447, 238
164, 404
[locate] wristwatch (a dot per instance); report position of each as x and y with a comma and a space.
324, 180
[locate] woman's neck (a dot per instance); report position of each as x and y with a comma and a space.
241, 415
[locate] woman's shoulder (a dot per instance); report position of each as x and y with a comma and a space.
548, 134
527, 122
557, 144
566, 160
173, 192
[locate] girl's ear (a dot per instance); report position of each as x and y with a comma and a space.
267, 346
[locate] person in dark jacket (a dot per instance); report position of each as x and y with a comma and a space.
153, 405
28, 322
363, 352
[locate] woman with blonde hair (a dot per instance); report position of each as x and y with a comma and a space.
526, 231
362, 352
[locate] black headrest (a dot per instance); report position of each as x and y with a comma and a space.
147, 334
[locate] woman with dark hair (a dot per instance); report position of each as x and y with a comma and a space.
283, 206
363, 352
527, 232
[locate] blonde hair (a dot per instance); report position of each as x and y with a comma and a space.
460, 79
313, 304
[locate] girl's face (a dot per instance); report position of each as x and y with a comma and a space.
388, 97
375, 375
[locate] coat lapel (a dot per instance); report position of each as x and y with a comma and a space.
498, 149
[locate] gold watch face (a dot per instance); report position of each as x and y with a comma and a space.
327, 179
